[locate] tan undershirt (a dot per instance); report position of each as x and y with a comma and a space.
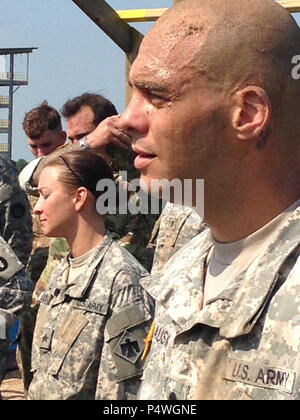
79, 265
226, 261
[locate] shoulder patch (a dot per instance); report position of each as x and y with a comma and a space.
129, 347
18, 210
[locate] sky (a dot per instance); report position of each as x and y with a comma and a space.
73, 56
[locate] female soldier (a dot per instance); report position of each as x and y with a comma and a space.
94, 317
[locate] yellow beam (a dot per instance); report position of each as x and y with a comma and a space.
148, 15
292, 6
140, 15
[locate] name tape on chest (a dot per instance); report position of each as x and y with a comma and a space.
91, 306
45, 298
161, 335
261, 376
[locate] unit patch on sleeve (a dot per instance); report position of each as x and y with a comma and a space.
18, 210
129, 347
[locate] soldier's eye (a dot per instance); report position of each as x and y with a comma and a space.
156, 99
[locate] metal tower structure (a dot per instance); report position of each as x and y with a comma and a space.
9, 78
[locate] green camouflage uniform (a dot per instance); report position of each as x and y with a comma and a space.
245, 343
15, 292
89, 333
175, 227
58, 250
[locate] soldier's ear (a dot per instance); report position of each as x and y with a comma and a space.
252, 112
80, 198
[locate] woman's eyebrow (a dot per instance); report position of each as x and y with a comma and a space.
41, 189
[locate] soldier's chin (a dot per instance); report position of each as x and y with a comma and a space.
159, 188
148, 186
49, 233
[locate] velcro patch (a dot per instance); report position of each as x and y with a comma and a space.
46, 338
91, 306
161, 335
45, 298
129, 347
261, 376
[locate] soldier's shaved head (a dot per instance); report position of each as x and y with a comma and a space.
237, 42
214, 99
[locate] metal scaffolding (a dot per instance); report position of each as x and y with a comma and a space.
9, 79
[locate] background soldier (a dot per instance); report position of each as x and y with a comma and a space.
15, 218
176, 226
15, 221
15, 293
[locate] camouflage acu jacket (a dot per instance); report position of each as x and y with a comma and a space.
15, 287
175, 227
245, 343
15, 217
15, 293
89, 334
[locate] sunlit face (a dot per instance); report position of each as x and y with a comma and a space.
47, 143
176, 120
55, 206
80, 124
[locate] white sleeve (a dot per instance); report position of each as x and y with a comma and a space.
26, 175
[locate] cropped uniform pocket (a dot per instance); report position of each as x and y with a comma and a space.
126, 331
66, 337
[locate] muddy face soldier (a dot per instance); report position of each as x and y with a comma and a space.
214, 99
